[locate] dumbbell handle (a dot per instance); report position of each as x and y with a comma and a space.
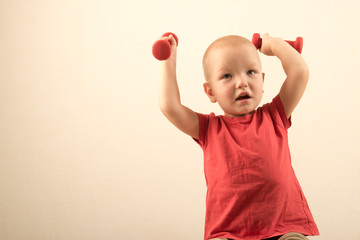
297, 44
161, 49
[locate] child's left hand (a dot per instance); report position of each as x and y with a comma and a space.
266, 45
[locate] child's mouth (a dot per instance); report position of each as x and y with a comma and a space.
242, 97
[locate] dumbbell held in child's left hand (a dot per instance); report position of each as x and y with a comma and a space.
297, 44
161, 49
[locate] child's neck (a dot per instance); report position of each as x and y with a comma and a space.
240, 115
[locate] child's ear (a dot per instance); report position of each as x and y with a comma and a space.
263, 75
209, 92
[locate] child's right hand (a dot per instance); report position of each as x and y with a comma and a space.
172, 42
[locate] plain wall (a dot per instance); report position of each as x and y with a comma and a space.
85, 153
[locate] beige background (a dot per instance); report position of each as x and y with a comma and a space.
85, 153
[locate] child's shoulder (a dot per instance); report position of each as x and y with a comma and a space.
275, 110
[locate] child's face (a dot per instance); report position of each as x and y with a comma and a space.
234, 78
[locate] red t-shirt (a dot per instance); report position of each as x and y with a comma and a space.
252, 190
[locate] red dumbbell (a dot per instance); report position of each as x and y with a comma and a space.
297, 44
161, 49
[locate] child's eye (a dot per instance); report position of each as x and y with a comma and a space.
226, 76
251, 72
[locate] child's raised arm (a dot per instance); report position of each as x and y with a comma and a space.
296, 70
169, 97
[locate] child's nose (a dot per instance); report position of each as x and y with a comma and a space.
241, 83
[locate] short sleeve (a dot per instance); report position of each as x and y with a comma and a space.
203, 127
277, 109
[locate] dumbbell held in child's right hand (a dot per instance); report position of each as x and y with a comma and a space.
297, 44
161, 49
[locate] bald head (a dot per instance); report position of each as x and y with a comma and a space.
231, 41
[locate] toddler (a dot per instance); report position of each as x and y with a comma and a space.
252, 190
